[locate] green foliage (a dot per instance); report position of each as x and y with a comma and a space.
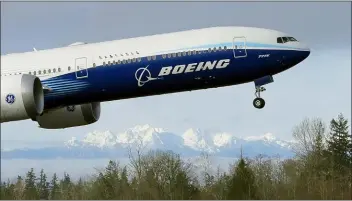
322, 169
242, 185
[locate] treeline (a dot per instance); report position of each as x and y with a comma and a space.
322, 169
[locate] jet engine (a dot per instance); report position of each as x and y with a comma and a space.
70, 116
22, 97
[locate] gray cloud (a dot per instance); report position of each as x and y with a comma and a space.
49, 24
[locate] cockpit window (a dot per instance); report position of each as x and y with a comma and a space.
291, 39
286, 39
279, 40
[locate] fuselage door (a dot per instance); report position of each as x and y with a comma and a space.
81, 68
239, 47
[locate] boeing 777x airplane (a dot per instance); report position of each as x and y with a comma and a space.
63, 87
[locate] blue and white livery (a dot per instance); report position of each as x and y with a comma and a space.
63, 87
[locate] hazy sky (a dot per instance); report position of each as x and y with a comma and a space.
318, 87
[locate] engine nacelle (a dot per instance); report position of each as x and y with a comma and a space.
22, 97
70, 116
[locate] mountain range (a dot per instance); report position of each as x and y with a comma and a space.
192, 142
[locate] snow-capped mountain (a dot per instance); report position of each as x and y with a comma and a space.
190, 143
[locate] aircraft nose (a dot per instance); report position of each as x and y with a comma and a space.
297, 57
306, 53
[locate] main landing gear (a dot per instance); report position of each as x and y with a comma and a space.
258, 102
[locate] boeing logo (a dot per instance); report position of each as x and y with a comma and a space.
10, 98
143, 75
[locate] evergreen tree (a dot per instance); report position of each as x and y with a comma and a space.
54, 188
42, 186
66, 187
126, 189
30, 190
79, 190
242, 185
7, 191
339, 143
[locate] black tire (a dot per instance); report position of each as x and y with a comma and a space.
258, 103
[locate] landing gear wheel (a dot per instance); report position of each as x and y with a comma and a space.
258, 103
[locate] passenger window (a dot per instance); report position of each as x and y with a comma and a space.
174, 55
154, 57
109, 63
54, 70
225, 48
128, 60
124, 61
69, 68
94, 65
169, 55
220, 48
119, 61
184, 53
149, 57
44, 71
104, 63
30, 73
134, 60
34, 73
139, 59
179, 54
189, 53
49, 71
59, 69
39, 72
209, 50
164, 56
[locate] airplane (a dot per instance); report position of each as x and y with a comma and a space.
63, 87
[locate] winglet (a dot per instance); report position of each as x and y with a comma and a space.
34, 49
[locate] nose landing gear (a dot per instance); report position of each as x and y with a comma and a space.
259, 102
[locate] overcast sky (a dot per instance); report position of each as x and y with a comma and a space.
318, 87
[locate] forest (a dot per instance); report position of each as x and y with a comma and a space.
321, 169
